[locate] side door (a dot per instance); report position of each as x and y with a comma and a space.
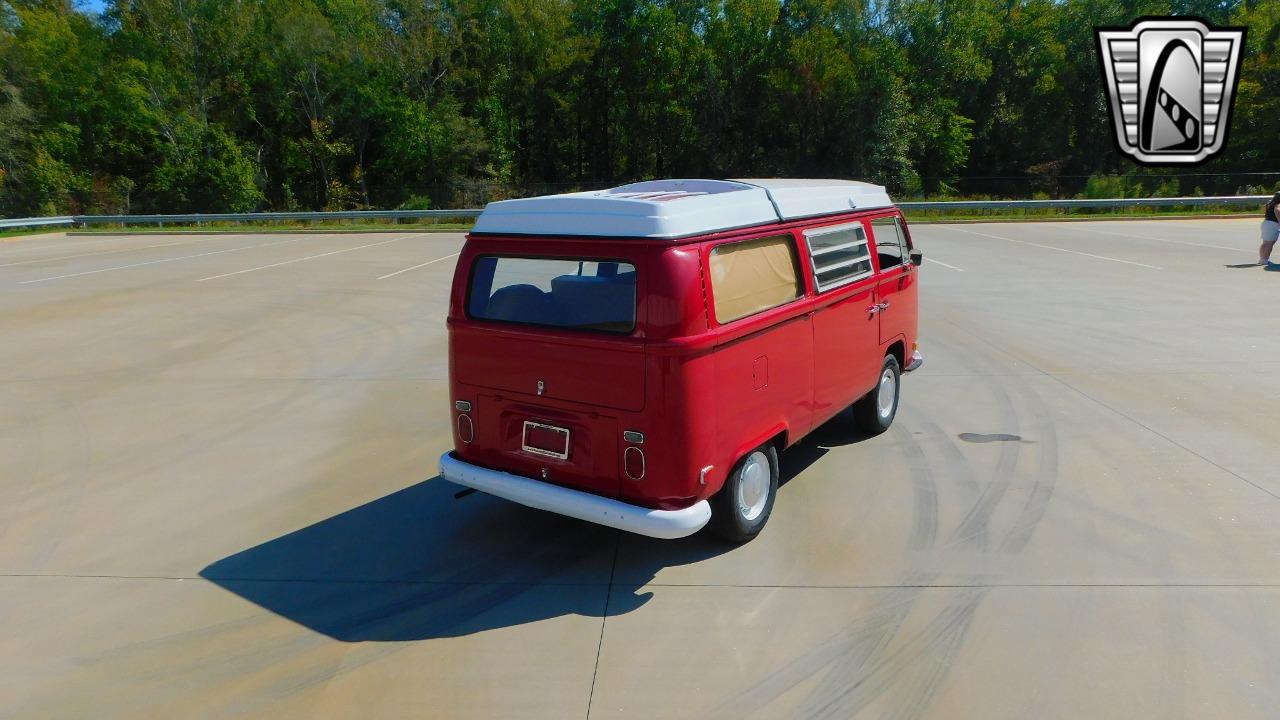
896, 293
846, 348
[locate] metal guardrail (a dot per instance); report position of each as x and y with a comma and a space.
36, 222
1072, 204
263, 217
269, 217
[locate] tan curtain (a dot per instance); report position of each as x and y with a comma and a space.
752, 276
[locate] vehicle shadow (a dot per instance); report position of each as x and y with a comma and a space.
419, 564
839, 431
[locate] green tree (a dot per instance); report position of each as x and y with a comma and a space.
15, 142
169, 105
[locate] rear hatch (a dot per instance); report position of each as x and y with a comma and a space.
548, 344
602, 375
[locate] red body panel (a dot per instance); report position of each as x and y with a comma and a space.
609, 376
703, 394
846, 349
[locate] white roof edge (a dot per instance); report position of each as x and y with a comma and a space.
796, 198
668, 209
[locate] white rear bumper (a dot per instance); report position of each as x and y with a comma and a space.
664, 524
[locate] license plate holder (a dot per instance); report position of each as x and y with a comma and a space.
545, 440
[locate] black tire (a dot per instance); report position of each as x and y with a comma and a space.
731, 519
868, 413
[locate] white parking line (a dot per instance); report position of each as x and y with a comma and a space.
939, 262
301, 259
157, 262
415, 267
1051, 247
1165, 240
101, 252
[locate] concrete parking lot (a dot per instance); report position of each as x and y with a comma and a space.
217, 501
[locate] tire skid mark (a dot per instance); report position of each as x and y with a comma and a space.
952, 458
923, 534
852, 647
1045, 480
918, 668
973, 528
937, 662
915, 670
924, 518
923, 673
857, 666
856, 645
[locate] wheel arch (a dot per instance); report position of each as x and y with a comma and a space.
777, 435
898, 349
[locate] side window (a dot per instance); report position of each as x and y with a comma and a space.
839, 254
752, 276
890, 242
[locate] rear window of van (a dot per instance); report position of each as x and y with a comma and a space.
576, 294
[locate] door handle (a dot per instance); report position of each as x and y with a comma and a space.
873, 309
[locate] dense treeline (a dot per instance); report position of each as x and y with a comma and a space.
206, 105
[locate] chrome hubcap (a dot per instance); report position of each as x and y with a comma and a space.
887, 394
753, 485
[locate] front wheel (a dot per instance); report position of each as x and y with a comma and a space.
874, 413
742, 507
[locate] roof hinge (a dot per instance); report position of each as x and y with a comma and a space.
776, 210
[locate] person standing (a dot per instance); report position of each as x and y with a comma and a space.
1270, 229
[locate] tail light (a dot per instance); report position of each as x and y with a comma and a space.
633, 463
466, 431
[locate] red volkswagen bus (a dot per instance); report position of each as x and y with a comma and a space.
638, 357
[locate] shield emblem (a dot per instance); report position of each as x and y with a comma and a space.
1170, 83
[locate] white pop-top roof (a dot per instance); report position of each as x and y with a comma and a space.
678, 208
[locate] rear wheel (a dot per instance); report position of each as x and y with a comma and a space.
742, 507
874, 413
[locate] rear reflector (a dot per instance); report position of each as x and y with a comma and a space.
633, 463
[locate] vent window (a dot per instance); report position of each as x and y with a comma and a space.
839, 255
891, 246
